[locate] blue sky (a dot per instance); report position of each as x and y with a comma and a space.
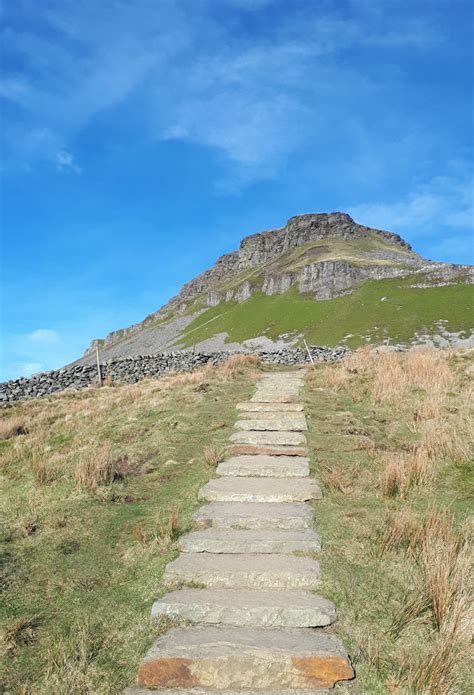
141, 140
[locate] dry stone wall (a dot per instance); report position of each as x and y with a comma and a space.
133, 369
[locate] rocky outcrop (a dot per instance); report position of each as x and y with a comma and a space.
133, 369
266, 246
323, 277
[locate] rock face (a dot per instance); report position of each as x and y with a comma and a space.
265, 246
335, 255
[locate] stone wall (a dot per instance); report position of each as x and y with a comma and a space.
133, 369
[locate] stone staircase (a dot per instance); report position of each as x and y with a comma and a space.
243, 584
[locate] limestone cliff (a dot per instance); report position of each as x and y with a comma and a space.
322, 255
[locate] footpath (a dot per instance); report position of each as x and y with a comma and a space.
245, 583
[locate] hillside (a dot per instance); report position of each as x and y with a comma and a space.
101, 485
322, 277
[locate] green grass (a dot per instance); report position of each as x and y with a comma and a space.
362, 315
81, 568
369, 587
353, 251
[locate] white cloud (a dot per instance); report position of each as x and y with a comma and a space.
444, 201
43, 336
253, 99
65, 161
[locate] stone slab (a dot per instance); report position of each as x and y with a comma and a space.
275, 397
218, 541
254, 407
254, 515
265, 466
252, 658
271, 415
252, 449
282, 424
269, 438
246, 571
260, 490
246, 608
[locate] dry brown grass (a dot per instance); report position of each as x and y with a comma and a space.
393, 479
170, 529
389, 379
95, 467
416, 406
441, 439
446, 575
435, 672
392, 374
405, 530
237, 363
234, 365
213, 454
18, 633
403, 471
11, 427
414, 608
443, 556
45, 466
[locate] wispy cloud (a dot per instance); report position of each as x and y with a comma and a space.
42, 336
64, 161
444, 201
195, 78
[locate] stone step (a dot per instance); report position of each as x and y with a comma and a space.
245, 571
260, 490
253, 449
253, 407
299, 373
271, 415
252, 658
219, 541
272, 396
282, 424
254, 515
269, 438
265, 466
246, 608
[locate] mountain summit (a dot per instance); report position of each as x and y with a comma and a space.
322, 277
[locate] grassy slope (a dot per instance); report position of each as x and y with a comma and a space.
404, 311
81, 568
385, 618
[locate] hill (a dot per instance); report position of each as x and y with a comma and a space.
322, 277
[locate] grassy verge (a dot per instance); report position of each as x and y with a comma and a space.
375, 311
390, 441
97, 485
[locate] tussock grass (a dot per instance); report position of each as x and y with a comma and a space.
213, 454
11, 427
395, 519
95, 466
96, 493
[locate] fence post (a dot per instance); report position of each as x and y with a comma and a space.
98, 365
307, 350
